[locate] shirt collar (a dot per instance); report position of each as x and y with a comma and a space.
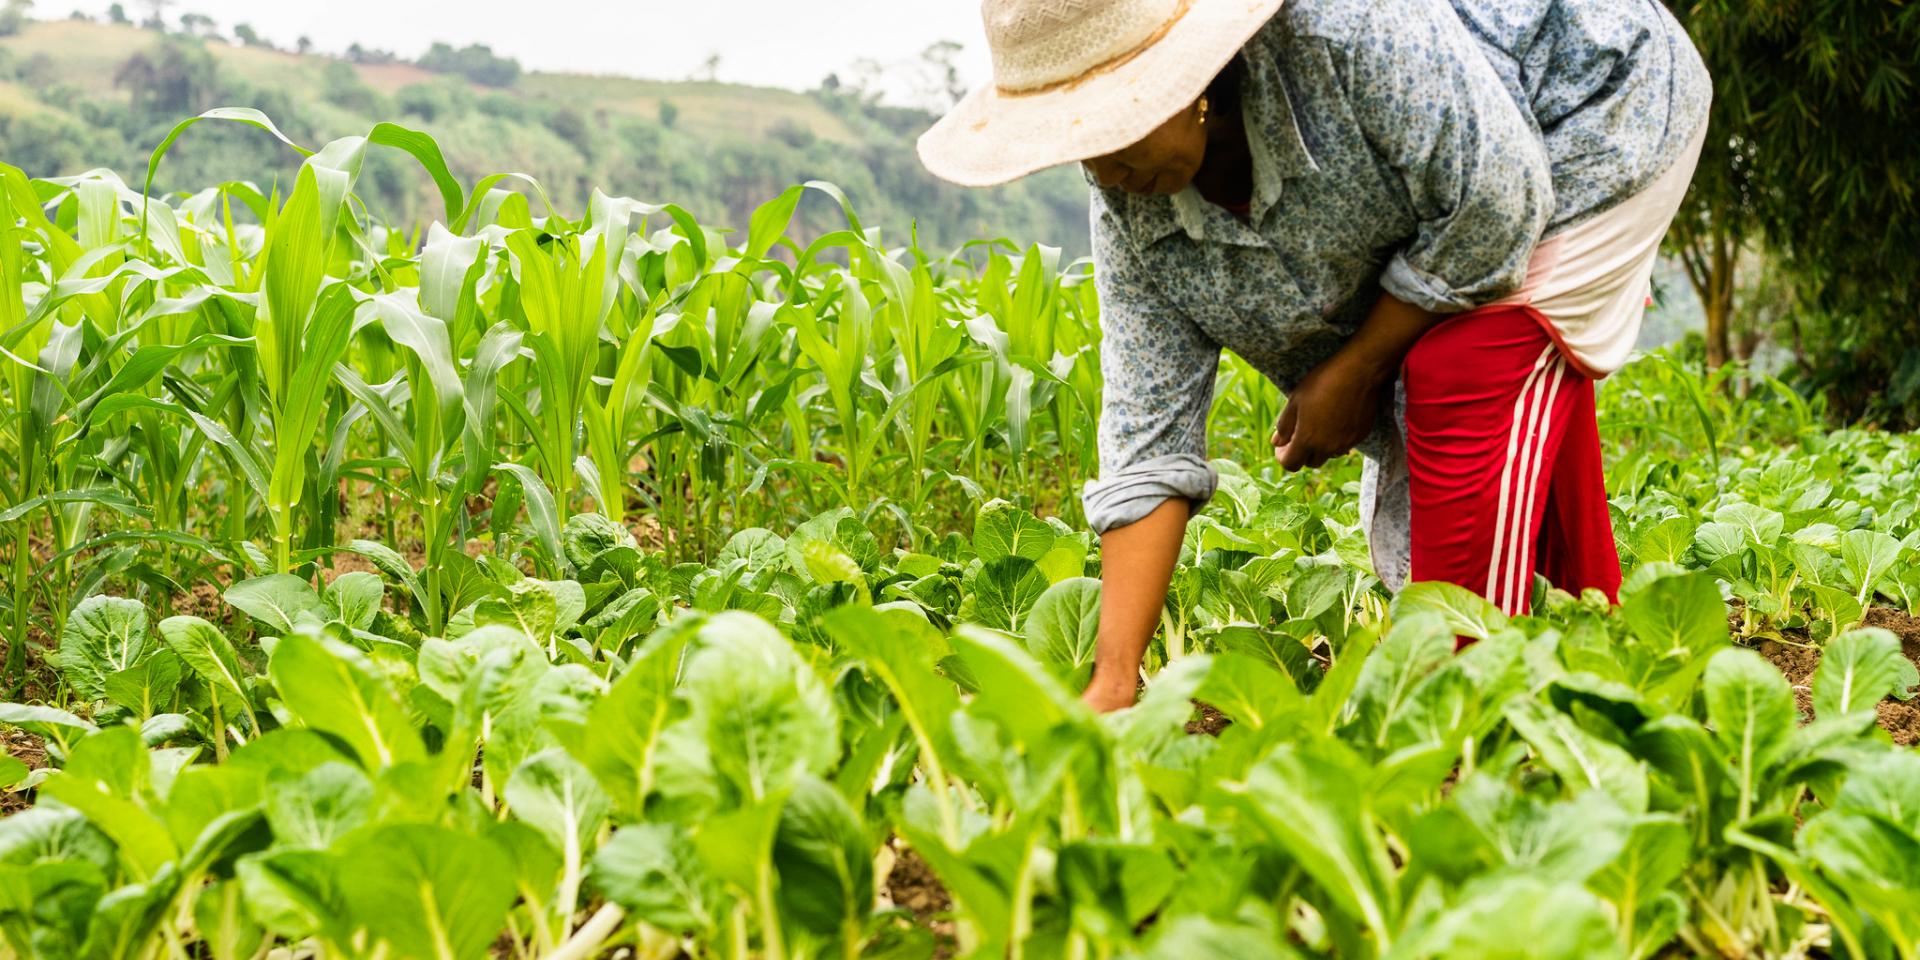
1279, 154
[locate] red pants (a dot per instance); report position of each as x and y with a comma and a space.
1504, 452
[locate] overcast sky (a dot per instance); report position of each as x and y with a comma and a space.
786, 44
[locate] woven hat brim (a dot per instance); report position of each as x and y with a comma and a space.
991, 138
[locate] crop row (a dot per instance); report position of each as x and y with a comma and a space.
549, 587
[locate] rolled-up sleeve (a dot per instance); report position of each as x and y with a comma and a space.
1159, 369
1476, 172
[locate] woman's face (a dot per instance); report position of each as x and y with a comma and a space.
1162, 162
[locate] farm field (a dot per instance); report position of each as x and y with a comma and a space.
569, 584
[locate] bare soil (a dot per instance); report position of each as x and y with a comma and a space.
1900, 718
30, 750
1207, 721
912, 884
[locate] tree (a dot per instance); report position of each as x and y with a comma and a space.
13, 17
198, 25
1812, 152
174, 79
156, 14
941, 86
341, 86
710, 68
477, 62
117, 14
668, 113
248, 36
304, 45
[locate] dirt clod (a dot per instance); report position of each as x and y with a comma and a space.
912, 884
1207, 720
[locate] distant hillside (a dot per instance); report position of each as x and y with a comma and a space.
77, 94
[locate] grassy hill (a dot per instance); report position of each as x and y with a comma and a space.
73, 92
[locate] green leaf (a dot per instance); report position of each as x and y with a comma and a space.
1419, 642
1015, 691
1522, 918
1062, 628
1858, 669
900, 649
1112, 887
105, 779
312, 810
332, 688
1582, 760
652, 870
1307, 798
1005, 591
354, 598
429, 891
12, 771
1657, 850
1679, 616
824, 563
295, 893
1198, 935
278, 600
556, 795
529, 606
1876, 864
1840, 606
1002, 530
1278, 650
767, 717
202, 794
147, 687
1467, 614
1666, 541
1886, 784
1679, 621
126, 919
824, 859
50, 833
50, 723
588, 535
1750, 707
543, 514
620, 741
207, 652
770, 220
1248, 690
1319, 588
103, 636
1758, 526
761, 549
391, 565
1866, 556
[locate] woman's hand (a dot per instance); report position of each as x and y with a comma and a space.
1106, 696
1330, 411
1335, 405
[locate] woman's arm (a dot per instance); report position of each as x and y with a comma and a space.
1335, 405
1158, 367
1476, 173
1136, 564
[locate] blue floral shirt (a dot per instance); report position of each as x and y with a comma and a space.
1387, 154
1614, 88
1400, 145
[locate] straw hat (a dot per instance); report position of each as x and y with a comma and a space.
1074, 79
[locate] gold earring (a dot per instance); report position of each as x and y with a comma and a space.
1203, 110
